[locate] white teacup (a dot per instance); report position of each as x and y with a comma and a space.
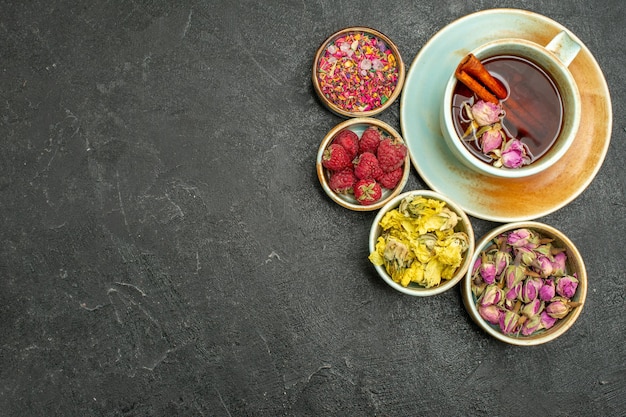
554, 60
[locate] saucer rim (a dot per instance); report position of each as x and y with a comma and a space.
525, 21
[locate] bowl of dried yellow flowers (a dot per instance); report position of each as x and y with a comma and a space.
527, 284
421, 243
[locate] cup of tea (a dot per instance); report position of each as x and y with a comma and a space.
512, 108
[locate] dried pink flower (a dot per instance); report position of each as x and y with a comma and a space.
488, 272
491, 296
513, 154
513, 292
547, 291
486, 113
530, 289
531, 325
508, 322
533, 308
543, 265
547, 321
558, 308
490, 313
491, 140
558, 266
566, 286
519, 238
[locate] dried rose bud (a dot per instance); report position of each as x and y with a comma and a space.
530, 289
514, 154
533, 308
492, 295
547, 321
488, 272
519, 238
558, 266
514, 274
508, 322
490, 313
491, 139
513, 292
485, 113
543, 265
502, 260
527, 256
544, 249
558, 308
566, 286
478, 288
547, 290
531, 325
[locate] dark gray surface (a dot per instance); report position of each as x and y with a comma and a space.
167, 249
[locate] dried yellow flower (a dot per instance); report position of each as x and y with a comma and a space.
418, 243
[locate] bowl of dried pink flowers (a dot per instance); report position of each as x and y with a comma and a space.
358, 72
362, 163
527, 284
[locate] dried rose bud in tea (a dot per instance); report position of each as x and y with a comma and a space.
521, 283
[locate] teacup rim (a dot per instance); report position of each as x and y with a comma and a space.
543, 163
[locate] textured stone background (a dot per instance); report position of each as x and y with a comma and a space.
167, 249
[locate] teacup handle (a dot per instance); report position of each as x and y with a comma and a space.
564, 47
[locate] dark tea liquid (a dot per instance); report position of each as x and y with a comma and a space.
534, 108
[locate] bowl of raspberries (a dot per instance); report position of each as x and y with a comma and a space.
362, 163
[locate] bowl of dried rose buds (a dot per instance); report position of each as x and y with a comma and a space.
358, 72
362, 163
527, 284
421, 242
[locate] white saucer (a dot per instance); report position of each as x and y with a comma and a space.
485, 197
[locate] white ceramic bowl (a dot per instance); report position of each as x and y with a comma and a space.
575, 265
463, 225
358, 126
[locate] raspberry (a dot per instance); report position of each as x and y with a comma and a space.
370, 139
391, 154
336, 158
390, 179
342, 182
367, 191
349, 140
366, 166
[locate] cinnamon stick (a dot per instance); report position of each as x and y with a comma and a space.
472, 65
476, 87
